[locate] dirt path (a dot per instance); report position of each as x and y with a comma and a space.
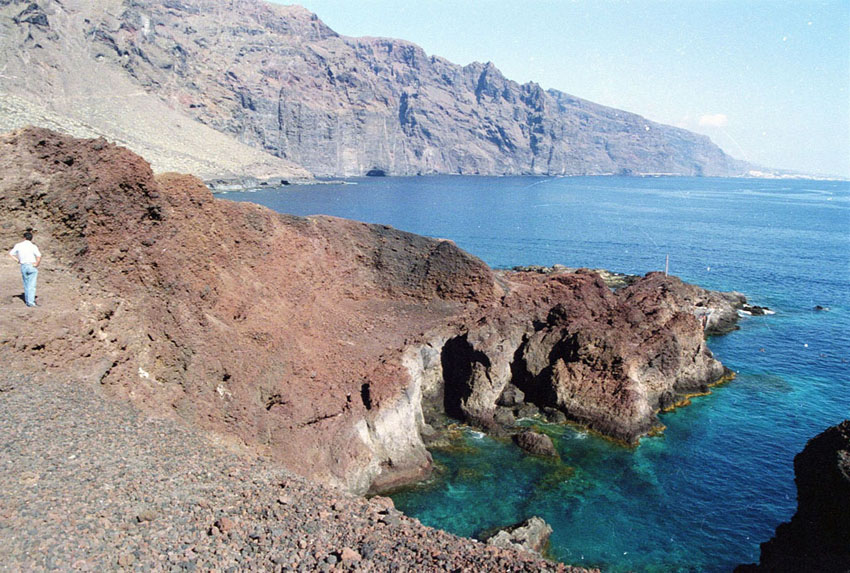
57, 333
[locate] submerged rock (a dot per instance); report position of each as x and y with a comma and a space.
536, 443
531, 535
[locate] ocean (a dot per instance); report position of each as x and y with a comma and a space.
702, 496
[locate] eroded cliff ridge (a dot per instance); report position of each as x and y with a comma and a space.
278, 79
323, 342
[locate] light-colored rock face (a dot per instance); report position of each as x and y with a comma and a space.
277, 79
531, 535
54, 75
392, 435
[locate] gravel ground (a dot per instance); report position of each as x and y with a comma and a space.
91, 484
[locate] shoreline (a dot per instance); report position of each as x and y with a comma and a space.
223, 185
366, 325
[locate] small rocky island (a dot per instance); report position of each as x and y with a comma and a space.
327, 346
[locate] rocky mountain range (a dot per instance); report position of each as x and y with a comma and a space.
222, 87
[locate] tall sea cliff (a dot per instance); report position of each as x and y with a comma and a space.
276, 81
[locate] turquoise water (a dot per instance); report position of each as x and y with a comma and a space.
716, 484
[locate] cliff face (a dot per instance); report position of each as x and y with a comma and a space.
280, 80
818, 536
53, 76
321, 341
285, 82
610, 361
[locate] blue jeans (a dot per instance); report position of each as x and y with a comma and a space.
29, 274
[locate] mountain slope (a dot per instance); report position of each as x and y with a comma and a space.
277, 78
49, 76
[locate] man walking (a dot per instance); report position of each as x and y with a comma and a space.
28, 255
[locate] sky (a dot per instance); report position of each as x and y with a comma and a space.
767, 80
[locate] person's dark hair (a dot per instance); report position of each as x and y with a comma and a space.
28, 236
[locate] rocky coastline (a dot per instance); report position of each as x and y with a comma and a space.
332, 347
223, 185
599, 358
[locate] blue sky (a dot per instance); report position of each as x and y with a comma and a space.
768, 81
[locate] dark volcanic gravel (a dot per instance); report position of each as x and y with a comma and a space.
91, 484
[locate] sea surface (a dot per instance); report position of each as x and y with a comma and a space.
720, 479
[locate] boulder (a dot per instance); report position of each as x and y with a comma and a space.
531, 535
818, 536
536, 443
511, 396
554, 415
504, 417
527, 411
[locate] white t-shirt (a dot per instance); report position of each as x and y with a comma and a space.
26, 252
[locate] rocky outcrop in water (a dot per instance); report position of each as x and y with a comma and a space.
608, 360
536, 443
278, 79
818, 536
531, 535
326, 344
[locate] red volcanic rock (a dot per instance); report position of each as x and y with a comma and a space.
608, 360
246, 322
319, 340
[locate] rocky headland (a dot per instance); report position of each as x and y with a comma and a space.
243, 88
331, 347
328, 342
818, 536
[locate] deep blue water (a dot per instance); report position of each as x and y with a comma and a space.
716, 484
